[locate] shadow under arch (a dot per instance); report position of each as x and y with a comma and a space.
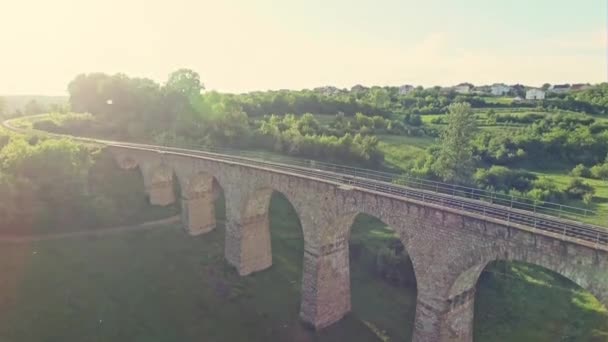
382, 279
522, 291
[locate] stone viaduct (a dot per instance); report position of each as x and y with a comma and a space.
448, 248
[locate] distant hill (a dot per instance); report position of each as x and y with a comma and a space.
15, 102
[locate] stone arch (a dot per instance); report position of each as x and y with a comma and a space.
199, 193
359, 220
126, 162
583, 266
255, 248
327, 284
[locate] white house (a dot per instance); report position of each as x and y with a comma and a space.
535, 94
499, 89
463, 88
406, 88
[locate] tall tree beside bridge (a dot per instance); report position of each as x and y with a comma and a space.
456, 162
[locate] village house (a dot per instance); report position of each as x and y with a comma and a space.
463, 88
559, 88
500, 89
580, 86
535, 94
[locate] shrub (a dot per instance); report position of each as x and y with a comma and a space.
577, 189
504, 179
46, 125
544, 189
600, 171
580, 171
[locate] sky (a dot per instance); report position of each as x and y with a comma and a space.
245, 45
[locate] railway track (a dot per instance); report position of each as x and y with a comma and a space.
542, 218
345, 175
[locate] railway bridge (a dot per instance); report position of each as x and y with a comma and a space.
450, 239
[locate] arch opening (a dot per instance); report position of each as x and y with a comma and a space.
525, 300
273, 247
383, 283
518, 301
266, 216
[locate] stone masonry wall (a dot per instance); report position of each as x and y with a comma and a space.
448, 248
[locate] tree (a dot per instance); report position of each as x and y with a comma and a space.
600, 171
546, 86
86, 93
379, 98
186, 82
33, 107
455, 162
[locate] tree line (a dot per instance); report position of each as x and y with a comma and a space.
57, 185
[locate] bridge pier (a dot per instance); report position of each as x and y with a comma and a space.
158, 183
444, 320
255, 245
325, 285
198, 213
161, 193
248, 246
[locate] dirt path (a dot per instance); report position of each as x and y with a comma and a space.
97, 232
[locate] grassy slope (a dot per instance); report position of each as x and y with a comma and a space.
163, 285
400, 150
600, 199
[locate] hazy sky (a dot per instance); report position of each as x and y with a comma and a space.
241, 45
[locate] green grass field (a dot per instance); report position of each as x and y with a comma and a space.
162, 285
600, 198
400, 150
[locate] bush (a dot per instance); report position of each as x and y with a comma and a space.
544, 189
580, 171
46, 125
577, 189
600, 171
501, 178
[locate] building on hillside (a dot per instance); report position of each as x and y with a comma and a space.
559, 88
463, 88
500, 89
580, 86
406, 88
535, 94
